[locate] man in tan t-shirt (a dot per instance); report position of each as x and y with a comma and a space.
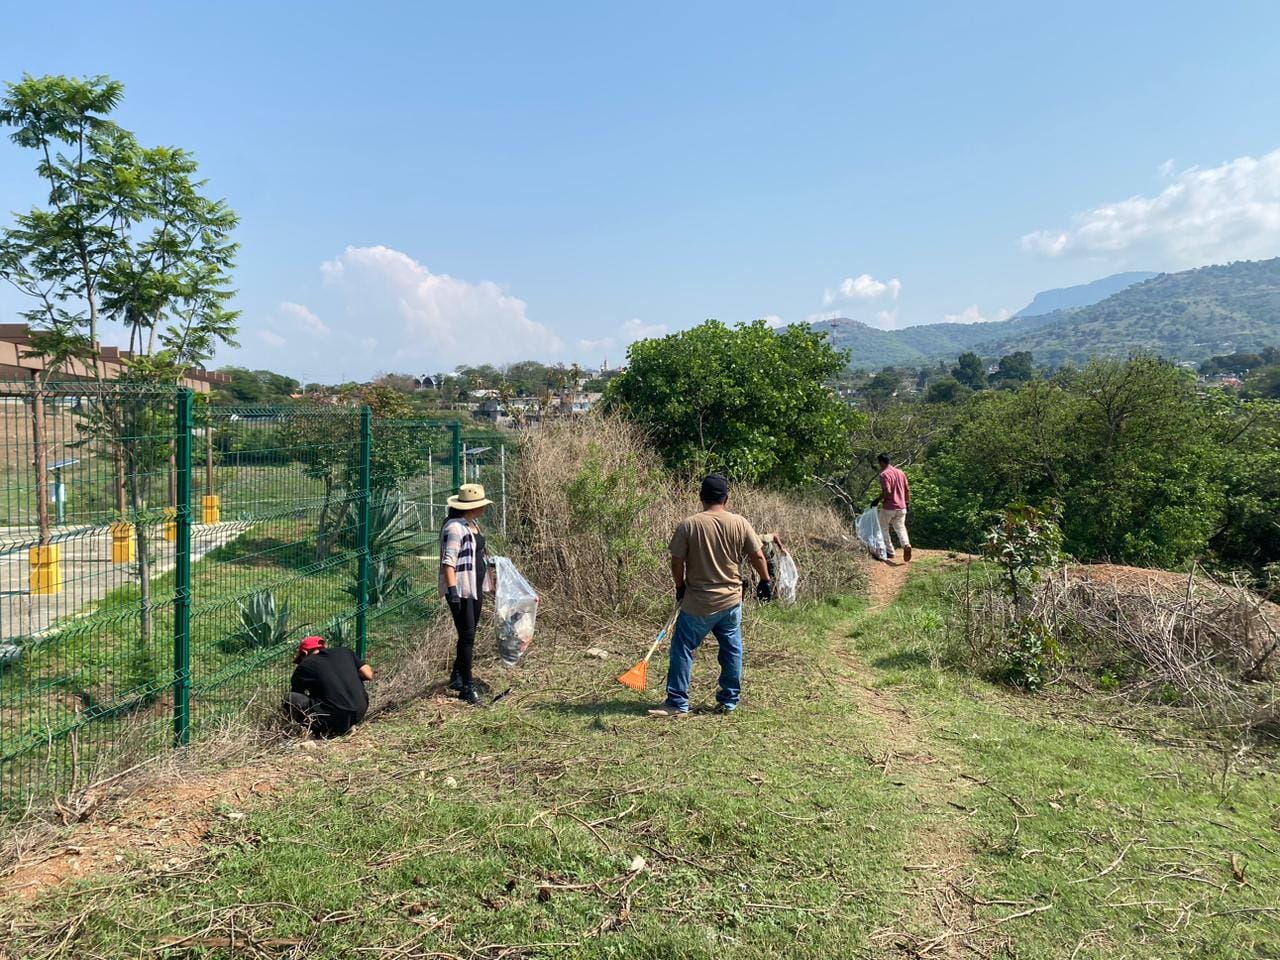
707, 551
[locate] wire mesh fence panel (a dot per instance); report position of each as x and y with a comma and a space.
273, 543
414, 470
87, 550
162, 557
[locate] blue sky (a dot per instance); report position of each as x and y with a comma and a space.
426, 184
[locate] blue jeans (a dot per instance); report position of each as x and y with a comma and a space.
689, 634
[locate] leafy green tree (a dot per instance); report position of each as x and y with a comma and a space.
970, 371
1264, 383
746, 400
243, 387
881, 388
1126, 448
326, 441
1014, 368
946, 390
125, 234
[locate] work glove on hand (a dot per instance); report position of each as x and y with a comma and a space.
764, 591
680, 592
452, 598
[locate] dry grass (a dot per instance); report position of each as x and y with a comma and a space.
581, 573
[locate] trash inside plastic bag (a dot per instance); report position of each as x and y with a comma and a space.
870, 534
515, 608
788, 578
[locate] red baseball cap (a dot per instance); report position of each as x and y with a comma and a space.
308, 645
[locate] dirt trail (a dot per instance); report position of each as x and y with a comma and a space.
885, 580
942, 920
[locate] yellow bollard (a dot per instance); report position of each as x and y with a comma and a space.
212, 509
46, 572
170, 523
123, 546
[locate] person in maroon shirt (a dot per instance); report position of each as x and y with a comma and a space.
894, 499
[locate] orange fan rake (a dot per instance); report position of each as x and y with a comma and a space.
637, 678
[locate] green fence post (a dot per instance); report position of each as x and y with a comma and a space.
456, 429
182, 573
362, 531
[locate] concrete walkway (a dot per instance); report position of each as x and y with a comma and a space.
88, 574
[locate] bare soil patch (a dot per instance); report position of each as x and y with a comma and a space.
886, 578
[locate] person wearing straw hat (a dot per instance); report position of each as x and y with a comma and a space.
461, 578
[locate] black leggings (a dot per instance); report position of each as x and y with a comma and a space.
465, 617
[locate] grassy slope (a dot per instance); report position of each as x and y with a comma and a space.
812, 823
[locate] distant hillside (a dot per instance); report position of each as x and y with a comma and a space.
1182, 316
1082, 294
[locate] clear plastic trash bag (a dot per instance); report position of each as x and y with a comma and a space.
788, 578
870, 534
515, 608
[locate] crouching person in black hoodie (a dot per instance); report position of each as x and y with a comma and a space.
327, 691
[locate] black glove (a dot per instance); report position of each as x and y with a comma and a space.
452, 598
680, 592
764, 591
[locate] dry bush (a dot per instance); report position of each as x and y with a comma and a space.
607, 567
1191, 643
1208, 647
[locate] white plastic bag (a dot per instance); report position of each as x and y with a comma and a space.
515, 608
788, 578
869, 532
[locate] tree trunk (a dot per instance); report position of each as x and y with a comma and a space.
136, 482
41, 460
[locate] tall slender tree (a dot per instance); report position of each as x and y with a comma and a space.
126, 234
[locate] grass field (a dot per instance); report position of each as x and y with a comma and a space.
867, 800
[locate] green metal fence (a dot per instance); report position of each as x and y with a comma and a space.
160, 559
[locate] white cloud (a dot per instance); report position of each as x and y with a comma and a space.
271, 338
1166, 169
971, 314
862, 287
304, 318
1227, 212
431, 320
614, 345
773, 321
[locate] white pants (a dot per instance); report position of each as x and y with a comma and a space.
895, 520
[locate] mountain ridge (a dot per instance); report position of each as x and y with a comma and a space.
1189, 315
1082, 294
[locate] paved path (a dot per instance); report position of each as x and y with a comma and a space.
87, 572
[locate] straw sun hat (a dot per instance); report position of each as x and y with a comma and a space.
470, 497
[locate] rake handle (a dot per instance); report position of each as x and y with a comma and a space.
661, 636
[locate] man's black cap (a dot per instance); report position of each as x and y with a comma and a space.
715, 489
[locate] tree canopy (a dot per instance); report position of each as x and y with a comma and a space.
746, 400
125, 233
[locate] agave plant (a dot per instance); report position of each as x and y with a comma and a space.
338, 633
262, 625
384, 583
391, 523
